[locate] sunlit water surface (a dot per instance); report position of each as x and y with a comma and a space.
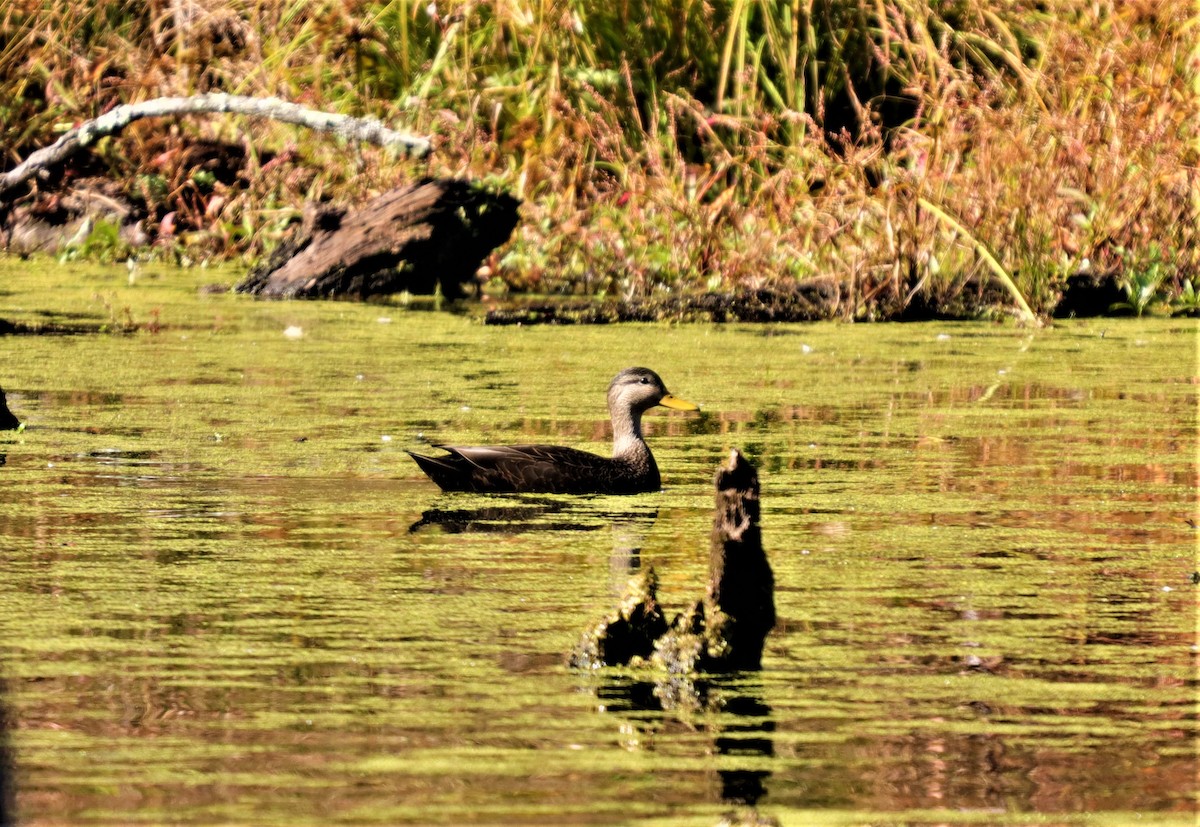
229, 596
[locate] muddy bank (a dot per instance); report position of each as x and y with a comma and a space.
1085, 295
434, 234
806, 302
82, 204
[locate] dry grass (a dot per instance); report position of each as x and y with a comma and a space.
899, 148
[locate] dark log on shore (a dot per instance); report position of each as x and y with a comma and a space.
410, 238
723, 632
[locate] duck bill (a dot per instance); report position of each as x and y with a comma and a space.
678, 404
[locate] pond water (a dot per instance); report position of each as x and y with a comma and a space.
229, 596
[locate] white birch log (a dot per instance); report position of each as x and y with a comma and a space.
345, 126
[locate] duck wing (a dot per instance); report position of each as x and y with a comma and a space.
529, 468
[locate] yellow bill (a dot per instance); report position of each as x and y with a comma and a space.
678, 404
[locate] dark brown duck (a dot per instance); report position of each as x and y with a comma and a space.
557, 470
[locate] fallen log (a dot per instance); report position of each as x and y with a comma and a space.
415, 238
722, 632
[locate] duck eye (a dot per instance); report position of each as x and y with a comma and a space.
645, 380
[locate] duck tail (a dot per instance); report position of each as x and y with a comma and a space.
442, 470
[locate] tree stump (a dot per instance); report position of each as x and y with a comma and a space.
410, 238
725, 630
741, 584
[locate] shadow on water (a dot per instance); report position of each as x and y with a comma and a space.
749, 735
729, 709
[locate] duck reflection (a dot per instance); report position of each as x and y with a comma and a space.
522, 515
517, 517
8, 422
629, 532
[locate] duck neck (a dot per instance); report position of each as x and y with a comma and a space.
628, 443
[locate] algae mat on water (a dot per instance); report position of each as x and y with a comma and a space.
229, 596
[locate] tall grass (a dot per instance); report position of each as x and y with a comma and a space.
898, 148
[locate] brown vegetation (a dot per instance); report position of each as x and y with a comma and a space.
904, 150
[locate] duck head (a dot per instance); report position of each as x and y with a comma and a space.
639, 389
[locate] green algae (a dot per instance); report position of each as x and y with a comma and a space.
230, 596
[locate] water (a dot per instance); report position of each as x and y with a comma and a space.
230, 597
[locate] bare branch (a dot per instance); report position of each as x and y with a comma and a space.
112, 122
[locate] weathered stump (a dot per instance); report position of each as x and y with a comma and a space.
410, 238
726, 629
741, 585
66, 213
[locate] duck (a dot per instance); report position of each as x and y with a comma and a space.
554, 469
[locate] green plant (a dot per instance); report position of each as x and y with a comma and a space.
1187, 301
98, 240
1142, 290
